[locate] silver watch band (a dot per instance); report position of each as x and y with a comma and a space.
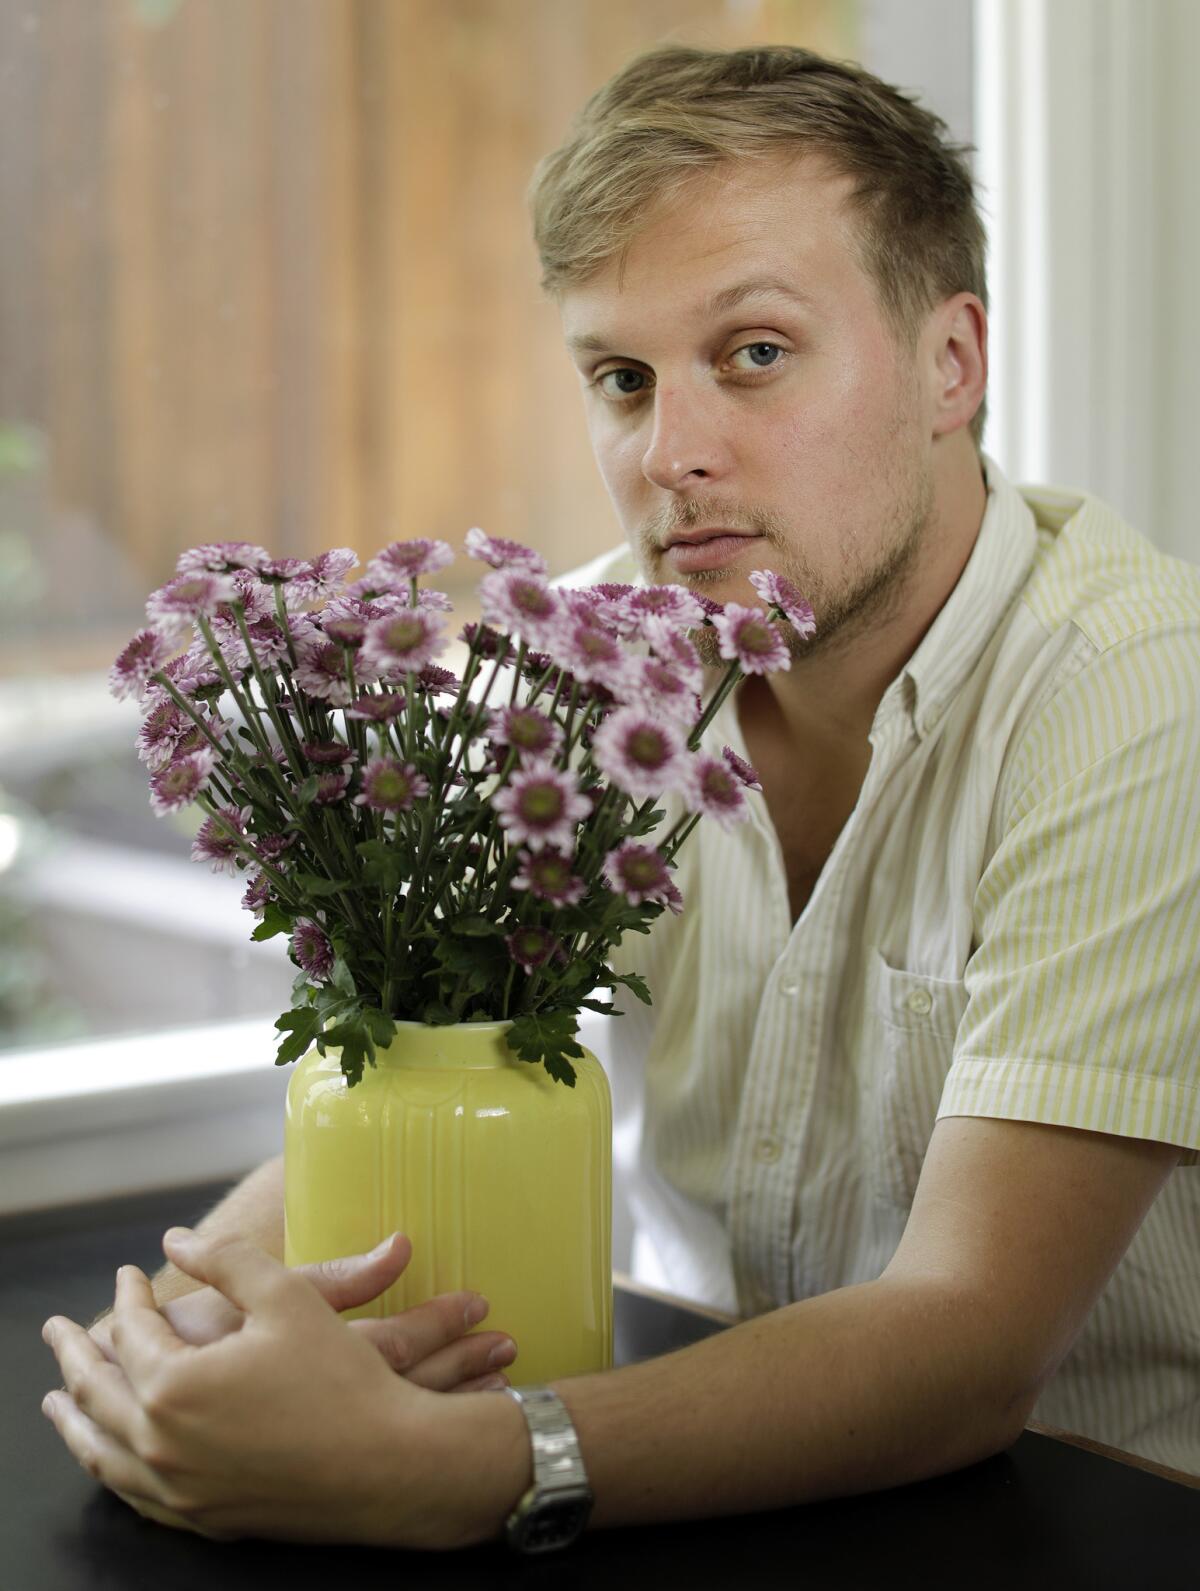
557, 1461
556, 1507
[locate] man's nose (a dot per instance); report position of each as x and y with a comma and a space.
686, 443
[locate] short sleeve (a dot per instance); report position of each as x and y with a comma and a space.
1083, 985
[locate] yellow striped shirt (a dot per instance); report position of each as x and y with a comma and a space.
1008, 926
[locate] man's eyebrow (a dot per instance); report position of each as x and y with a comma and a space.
718, 303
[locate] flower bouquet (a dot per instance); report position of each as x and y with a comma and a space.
434, 851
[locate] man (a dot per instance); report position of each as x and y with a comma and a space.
923, 1054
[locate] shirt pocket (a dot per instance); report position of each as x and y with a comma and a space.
909, 1028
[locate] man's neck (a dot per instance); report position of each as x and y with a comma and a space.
823, 707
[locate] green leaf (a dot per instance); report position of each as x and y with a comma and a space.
306, 792
598, 1005
314, 884
548, 1037
340, 978
633, 981
356, 1045
379, 1025
436, 1014
303, 1026
275, 921
476, 927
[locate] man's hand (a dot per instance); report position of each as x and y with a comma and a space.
428, 1344
290, 1426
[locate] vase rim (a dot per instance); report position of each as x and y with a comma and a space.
433, 1027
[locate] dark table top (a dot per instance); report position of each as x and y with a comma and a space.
1043, 1514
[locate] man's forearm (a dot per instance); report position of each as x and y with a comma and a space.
868, 1387
253, 1210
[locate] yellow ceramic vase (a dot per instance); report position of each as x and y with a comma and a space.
501, 1177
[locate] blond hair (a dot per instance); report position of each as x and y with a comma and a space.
675, 111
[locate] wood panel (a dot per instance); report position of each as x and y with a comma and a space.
265, 272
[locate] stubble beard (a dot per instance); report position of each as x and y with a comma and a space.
844, 610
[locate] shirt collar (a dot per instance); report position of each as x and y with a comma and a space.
949, 650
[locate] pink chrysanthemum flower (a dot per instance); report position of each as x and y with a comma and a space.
345, 631
676, 604
521, 604
181, 781
487, 642
782, 594
257, 601
193, 671
160, 732
311, 949
362, 601
674, 648
434, 601
131, 672
742, 768
220, 839
321, 671
710, 606
531, 733
331, 787
258, 893
502, 554
329, 569
403, 642
273, 848
548, 875
749, 637
435, 681
639, 872
541, 806
716, 791
184, 597
642, 755
532, 947
391, 786
658, 687
595, 655
266, 637
218, 557
282, 571
377, 709
327, 753
408, 560
192, 737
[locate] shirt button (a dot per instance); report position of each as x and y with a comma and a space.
790, 989
920, 1001
767, 1149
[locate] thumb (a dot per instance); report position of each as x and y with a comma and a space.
355, 1279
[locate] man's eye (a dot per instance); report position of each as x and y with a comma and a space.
762, 355
626, 383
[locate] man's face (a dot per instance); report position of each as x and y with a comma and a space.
790, 412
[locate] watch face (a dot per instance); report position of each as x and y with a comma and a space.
554, 1524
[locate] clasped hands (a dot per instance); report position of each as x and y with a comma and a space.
250, 1408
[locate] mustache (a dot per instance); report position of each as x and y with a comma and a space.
687, 515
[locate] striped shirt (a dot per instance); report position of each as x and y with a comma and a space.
1008, 926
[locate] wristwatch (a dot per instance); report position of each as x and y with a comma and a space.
556, 1507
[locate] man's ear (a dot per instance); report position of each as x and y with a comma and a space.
958, 362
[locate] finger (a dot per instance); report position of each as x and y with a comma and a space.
101, 1334
358, 1278
97, 1386
406, 1339
246, 1275
141, 1337
473, 1358
100, 1454
493, 1383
